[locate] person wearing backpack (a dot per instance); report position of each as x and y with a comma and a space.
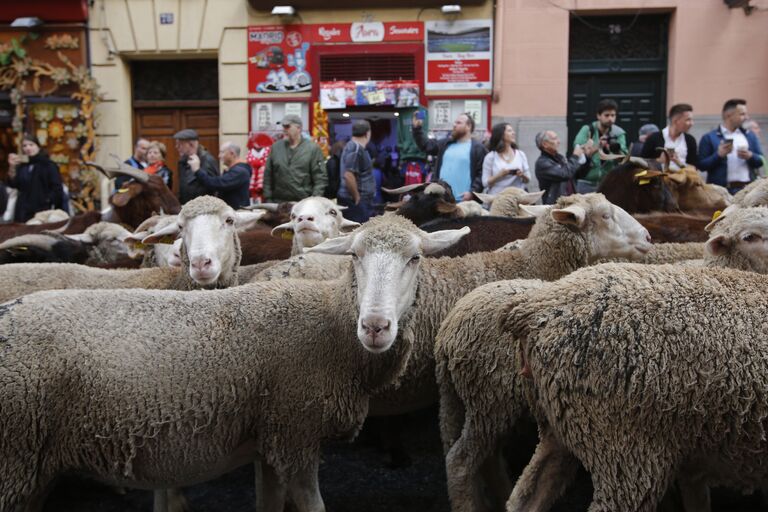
358, 186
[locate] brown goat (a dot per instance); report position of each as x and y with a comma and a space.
258, 245
487, 233
674, 227
137, 201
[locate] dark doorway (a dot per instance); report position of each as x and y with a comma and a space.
172, 95
619, 57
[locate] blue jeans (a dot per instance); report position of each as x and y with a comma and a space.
360, 212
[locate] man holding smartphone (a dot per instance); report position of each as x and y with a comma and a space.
730, 154
675, 140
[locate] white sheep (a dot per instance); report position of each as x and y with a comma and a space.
116, 388
48, 216
577, 232
481, 395
210, 256
313, 220
508, 202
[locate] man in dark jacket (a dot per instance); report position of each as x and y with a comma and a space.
675, 140
232, 186
188, 144
555, 173
459, 156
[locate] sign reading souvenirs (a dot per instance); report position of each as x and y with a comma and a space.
278, 55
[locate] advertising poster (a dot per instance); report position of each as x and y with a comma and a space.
458, 55
337, 94
278, 59
441, 115
475, 109
407, 95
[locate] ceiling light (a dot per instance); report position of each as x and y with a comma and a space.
283, 10
451, 9
344, 114
27, 22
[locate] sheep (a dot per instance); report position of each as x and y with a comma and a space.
210, 255
678, 369
313, 220
48, 216
471, 209
148, 400
474, 356
507, 202
581, 229
101, 243
157, 255
754, 194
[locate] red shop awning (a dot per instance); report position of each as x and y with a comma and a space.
50, 11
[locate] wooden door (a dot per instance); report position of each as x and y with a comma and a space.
160, 123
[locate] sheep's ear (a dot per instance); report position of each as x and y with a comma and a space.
348, 225
85, 238
573, 215
283, 230
530, 197
136, 238
167, 235
717, 245
485, 198
718, 216
439, 240
245, 219
536, 210
338, 245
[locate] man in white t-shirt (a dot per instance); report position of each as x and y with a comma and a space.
674, 140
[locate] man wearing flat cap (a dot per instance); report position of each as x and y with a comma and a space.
193, 157
295, 168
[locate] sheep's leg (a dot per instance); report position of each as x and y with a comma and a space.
545, 478
273, 491
451, 411
463, 464
630, 480
695, 494
496, 478
304, 489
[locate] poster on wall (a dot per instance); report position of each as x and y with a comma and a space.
475, 109
407, 95
278, 59
337, 94
458, 55
263, 116
441, 115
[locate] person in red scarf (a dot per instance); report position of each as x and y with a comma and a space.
156, 158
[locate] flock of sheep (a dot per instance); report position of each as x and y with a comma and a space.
647, 364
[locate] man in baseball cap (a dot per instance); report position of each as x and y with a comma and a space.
295, 168
192, 157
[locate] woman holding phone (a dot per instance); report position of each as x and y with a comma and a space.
36, 178
504, 165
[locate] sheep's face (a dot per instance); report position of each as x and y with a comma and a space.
386, 254
314, 220
168, 255
112, 240
741, 236
208, 228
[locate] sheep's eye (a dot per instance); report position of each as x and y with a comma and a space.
750, 237
293, 216
415, 259
332, 212
230, 221
606, 216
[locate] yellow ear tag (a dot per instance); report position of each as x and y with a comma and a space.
122, 190
644, 182
642, 173
287, 235
717, 214
167, 239
139, 245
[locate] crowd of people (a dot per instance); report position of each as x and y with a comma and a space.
294, 167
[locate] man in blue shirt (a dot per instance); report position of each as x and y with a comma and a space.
459, 156
138, 160
358, 186
232, 185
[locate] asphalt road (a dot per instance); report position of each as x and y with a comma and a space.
355, 478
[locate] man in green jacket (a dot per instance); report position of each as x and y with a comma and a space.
604, 135
295, 168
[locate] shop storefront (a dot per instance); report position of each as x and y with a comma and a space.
46, 90
332, 74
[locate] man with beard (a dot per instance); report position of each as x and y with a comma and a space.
459, 156
604, 135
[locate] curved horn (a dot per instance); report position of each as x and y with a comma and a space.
405, 189
63, 228
605, 156
35, 240
97, 167
642, 162
270, 207
127, 170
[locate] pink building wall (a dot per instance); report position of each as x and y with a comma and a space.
715, 53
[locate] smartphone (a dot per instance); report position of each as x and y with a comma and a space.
728, 142
420, 115
24, 159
